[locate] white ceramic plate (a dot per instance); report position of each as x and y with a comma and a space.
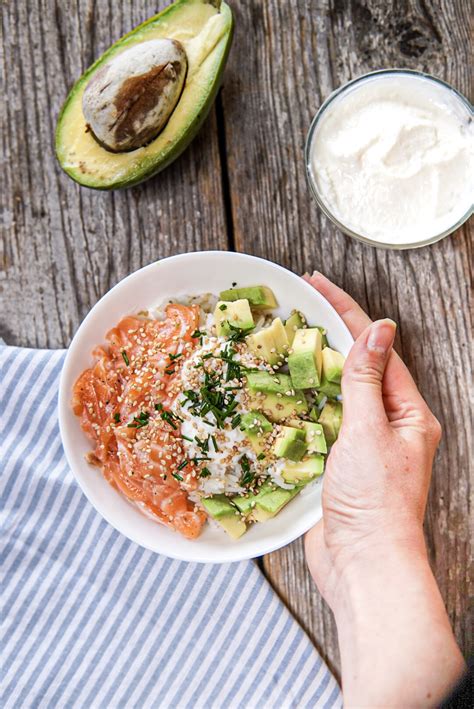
190, 274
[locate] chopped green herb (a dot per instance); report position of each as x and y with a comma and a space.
158, 407
205, 473
186, 438
117, 417
214, 443
261, 456
177, 476
237, 333
125, 358
223, 306
236, 420
169, 371
140, 420
248, 474
168, 417
175, 356
200, 334
202, 445
182, 465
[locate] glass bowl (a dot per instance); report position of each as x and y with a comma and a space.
325, 207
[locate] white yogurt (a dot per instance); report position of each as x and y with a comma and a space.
392, 158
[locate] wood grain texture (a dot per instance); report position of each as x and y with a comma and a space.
295, 54
64, 246
242, 182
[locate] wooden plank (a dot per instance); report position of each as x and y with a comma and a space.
64, 246
287, 58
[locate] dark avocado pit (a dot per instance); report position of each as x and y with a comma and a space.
150, 116
128, 102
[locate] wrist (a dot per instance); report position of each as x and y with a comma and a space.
392, 623
375, 562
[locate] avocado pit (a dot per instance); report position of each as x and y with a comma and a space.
128, 102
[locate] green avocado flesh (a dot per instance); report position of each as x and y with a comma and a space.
220, 508
266, 503
290, 443
204, 28
259, 297
236, 314
330, 419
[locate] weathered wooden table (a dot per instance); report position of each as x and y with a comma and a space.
241, 185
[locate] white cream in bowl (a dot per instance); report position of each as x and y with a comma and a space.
391, 157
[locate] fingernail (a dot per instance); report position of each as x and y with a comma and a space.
381, 335
316, 273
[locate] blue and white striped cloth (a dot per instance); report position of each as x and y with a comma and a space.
90, 619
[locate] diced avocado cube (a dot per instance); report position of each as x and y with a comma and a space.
324, 339
256, 426
233, 315
279, 335
305, 361
234, 526
220, 508
270, 504
315, 439
255, 422
295, 322
270, 383
290, 443
330, 419
305, 470
333, 363
278, 407
271, 343
320, 400
329, 389
246, 503
259, 297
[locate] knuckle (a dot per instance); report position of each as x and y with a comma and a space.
432, 427
435, 429
365, 372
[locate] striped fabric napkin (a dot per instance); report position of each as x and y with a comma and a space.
90, 619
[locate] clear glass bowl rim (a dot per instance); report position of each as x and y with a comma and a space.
312, 183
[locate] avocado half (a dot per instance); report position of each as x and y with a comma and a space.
204, 28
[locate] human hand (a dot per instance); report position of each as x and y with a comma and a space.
377, 474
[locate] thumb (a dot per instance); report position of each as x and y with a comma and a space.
364, 370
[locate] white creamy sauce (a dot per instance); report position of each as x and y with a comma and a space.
393, 159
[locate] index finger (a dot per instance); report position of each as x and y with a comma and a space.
345, 306
398, 381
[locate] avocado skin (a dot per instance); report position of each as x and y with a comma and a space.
140, 175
